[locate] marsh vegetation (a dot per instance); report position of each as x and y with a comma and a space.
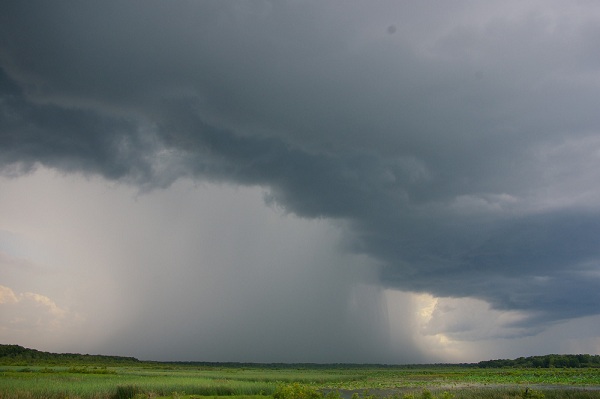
40, 375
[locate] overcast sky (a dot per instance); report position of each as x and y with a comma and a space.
300, 181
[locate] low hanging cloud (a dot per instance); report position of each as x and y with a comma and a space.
459, 147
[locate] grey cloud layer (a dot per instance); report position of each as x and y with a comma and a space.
461, 145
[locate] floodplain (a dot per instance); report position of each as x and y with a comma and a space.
152, 380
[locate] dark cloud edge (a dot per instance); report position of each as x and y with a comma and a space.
537, 264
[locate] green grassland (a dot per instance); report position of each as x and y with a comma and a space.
37, 375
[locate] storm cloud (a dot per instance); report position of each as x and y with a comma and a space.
457, 143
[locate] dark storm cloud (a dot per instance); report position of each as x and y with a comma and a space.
464, 155
546, 264
74, 140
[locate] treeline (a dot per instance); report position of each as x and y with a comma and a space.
16, 354
546, 361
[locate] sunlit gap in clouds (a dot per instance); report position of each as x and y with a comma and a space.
458, 330
445, 328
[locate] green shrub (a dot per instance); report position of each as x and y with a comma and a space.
296, 391
333, 395
127, 392
426, 394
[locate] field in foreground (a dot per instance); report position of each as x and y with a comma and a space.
156, 380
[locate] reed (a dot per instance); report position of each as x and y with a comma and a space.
153, 381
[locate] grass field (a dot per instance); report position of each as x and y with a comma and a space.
185, 381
